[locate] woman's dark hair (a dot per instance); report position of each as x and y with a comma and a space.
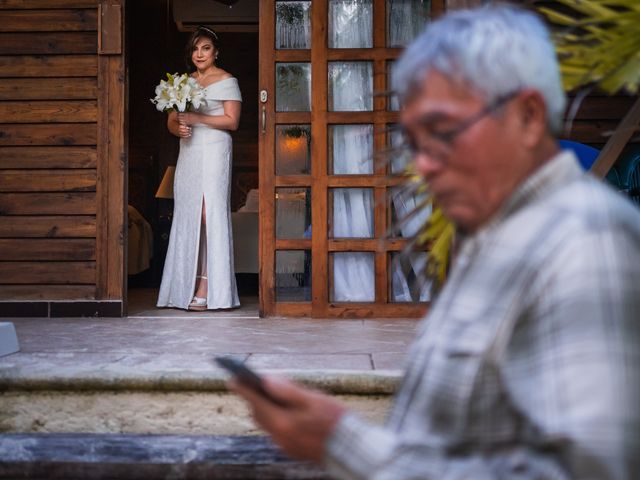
201, 32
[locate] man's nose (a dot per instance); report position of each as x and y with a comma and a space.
426, 164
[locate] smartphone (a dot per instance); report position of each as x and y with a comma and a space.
246, 376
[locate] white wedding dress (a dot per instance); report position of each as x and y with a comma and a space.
203, 172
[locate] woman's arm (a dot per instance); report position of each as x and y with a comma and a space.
229, 120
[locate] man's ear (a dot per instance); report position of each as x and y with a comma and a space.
532, 115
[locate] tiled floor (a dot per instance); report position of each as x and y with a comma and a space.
156, 341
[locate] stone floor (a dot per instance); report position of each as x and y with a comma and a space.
157, 338
152, 372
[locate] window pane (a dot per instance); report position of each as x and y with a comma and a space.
293, 276
293, 87
350, 24
352, 213
405, 20
293, 212
351, 149
393, 103
350, 86
403, 201
398, 155
293, 25
408, 281
293, 149
353, 278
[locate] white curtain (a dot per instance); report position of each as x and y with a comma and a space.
293, 26
350, 24
406, 19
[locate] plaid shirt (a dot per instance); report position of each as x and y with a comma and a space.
528, 364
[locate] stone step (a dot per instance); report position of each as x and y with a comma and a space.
151, 394
128, 457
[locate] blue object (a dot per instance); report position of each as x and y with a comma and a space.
586, 155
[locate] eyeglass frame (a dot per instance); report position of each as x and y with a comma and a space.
448, 138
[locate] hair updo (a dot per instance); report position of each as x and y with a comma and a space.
200, 32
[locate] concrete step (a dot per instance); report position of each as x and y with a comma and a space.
128, 457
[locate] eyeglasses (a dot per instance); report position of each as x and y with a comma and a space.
439, 145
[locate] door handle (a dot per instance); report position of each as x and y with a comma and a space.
264, 119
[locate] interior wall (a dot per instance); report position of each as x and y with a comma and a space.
155, 48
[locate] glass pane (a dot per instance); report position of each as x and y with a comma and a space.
293, 25
398, 155
293, 276
352, 213
350, 24
293, 212
353, 278
293, 149
393, 103
350, 86
403, 202
405, 20
408, 281
351, 149
293, 87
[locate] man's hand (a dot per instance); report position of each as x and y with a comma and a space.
303, 426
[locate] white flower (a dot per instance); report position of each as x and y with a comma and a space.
179, 93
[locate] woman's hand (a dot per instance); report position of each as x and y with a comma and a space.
184, 131
188, 118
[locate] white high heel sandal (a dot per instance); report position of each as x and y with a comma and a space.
198, 304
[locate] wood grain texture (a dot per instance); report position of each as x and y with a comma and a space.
48, 180
55, 273
48, 134
29, 157
77, 226
53, 249
79, 111
49, 66
48, 20
48, 89
38, 4
48, 203
48, 43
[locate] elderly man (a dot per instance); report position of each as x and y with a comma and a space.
528, 363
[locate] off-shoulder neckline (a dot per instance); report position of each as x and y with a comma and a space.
219, 81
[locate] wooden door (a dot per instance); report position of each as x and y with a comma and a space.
324, 202
61, 156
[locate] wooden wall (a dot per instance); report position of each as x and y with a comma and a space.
61, 137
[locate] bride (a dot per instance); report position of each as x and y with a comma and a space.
198, 271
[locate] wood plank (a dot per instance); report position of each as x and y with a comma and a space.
37, 4
595, 132
49, 66
48, 203
47, 157
77, 111
49, 134
48, 89
49, 20
55, 273
48, 180
604, 108
48, 43
628, 127
81, 226
58, 249
47, 292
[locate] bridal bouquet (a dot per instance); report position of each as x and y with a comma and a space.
178, 92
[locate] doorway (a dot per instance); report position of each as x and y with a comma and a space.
155, 37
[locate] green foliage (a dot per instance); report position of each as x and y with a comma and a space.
598, 43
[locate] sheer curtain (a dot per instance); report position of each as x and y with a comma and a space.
351, 24
405, 20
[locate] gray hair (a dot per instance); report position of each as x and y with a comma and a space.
494, 50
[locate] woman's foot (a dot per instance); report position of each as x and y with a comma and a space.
198, 304
201, 289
